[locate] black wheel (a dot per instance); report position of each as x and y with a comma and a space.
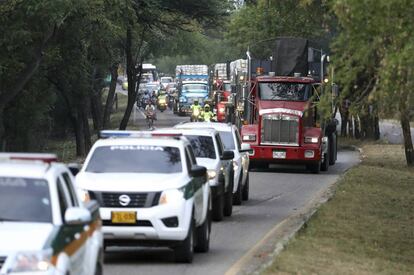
246, 188
228, 197
218, 205
238, 196
185, 251
325, 162
315, 168
99, 264
203, 234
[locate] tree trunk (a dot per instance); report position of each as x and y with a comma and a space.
2, 131
86, 130
79, 134
96, 100
406, 129
111, 94
131, 75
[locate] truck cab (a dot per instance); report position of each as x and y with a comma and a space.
283, 123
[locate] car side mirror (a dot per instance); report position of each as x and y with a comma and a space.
77, 216
227, 155
198, 171
246, 148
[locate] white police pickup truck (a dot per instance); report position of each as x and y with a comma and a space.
151, 192
209, 152
44, 226
231, 140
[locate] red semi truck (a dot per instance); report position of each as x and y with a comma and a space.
282, 121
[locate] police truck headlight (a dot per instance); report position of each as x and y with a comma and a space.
38, 261
311, 139
250, 137
171, 196
211, 174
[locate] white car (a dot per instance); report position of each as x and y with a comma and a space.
151, 192
231, 140
44, 226
209, 152
165, 81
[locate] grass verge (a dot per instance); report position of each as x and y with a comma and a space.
366, 228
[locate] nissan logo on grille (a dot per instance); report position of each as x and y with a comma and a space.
124, 200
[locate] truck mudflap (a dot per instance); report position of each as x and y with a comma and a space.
280, 154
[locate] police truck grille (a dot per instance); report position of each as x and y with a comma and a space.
279, 129
112, 199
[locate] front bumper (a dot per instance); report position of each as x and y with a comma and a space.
149, 225
294, 155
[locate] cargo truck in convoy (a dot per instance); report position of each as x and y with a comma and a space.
192, 82
281, 118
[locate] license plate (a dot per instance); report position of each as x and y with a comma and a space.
279, 154
124, 217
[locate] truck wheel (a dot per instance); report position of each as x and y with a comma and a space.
228, 197
333, 149
238, 196
315, 168
246, 189
325, 162
185, 251
203, 234
218, 205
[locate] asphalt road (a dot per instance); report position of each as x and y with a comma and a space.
275, 194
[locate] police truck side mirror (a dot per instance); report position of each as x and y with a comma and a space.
77, 216
198, 171
227, 155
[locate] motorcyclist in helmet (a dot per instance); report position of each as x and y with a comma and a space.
196, 110
208, 115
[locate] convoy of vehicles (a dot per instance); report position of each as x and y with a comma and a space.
165, 186
45, 227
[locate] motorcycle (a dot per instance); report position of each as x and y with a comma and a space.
150, 120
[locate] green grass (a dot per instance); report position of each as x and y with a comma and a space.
366, 228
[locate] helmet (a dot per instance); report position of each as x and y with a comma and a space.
196, 102
207, 107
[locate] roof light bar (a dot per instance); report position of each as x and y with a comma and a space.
135, 134
46, 158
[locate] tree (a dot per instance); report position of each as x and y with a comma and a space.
27, 30
375, 58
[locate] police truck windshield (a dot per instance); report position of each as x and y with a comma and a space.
135, 159
24, 200
284, 91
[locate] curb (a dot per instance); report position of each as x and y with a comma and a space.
263, 254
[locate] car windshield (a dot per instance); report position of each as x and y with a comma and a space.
284, 91
25, 200
203, 146
195, 88
228, 140
166, 80
135, 159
